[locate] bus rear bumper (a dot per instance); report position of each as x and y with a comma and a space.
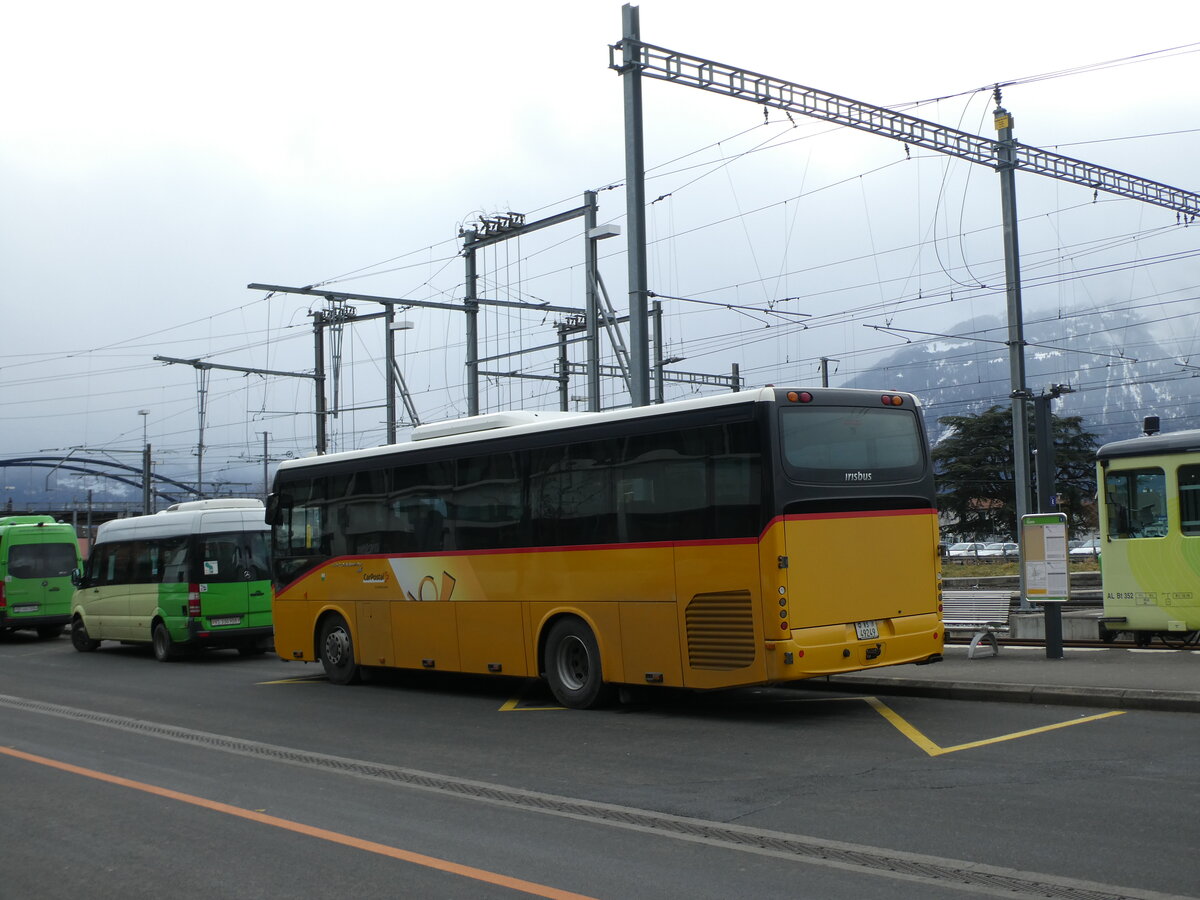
255, 638
828, 650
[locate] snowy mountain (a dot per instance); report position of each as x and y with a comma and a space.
1121, 368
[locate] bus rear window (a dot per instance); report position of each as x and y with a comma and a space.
851, 445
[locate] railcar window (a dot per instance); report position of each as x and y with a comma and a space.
1136, 500
1189, 499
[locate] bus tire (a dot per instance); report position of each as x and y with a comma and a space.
573, 666
164, 648
337, 651
46, 632
79, 637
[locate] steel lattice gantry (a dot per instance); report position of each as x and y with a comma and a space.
681, 68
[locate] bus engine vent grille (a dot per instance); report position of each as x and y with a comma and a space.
720, 631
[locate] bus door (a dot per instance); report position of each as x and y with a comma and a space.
103, 599
233, 576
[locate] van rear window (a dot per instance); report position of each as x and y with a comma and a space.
41, 560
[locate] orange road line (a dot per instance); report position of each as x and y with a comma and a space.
431, 862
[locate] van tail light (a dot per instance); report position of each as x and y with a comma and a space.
193, 600
3, 600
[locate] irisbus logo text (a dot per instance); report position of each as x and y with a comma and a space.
858, 476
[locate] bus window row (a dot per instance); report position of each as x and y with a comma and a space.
694, 484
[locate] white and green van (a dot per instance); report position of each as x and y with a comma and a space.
37, 556
196, 575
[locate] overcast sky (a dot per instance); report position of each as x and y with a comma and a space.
159, 157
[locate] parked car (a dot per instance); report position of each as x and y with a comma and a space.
1084, 547
965, 548
999, 548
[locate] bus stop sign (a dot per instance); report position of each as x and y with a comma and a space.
1044, 550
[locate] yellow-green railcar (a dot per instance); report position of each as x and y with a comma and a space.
1149, 504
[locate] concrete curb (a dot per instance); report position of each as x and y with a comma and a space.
1119, 698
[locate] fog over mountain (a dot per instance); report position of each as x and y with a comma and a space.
1122, 365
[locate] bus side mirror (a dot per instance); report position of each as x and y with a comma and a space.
272, 512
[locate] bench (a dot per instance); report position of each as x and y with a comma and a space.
984, 613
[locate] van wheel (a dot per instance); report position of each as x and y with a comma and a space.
573, 666
337, 652
164, 648
79, 637
46, 632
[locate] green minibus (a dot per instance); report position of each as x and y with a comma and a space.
196, 575
37, 556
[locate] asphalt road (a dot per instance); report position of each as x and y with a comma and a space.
233, 777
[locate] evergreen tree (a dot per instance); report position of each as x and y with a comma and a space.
974, 465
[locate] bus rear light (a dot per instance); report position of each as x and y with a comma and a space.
783, 626
193, 607
891, 400
799, 396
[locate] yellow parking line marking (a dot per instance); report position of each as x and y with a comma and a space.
430, 862
514, 705
302, 679
907, 729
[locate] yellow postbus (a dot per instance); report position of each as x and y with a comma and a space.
748, 538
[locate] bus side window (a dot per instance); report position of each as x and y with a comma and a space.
173, 558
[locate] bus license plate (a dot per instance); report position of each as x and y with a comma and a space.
867, 631
237, 620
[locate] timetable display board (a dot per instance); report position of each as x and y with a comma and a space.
1044, 553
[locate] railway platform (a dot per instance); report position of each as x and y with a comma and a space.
1115, 677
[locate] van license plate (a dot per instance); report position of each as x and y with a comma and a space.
237, 620
867, 631
25, 607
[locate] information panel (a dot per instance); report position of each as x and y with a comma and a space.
1044, 549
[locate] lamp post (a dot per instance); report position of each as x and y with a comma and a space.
146, 494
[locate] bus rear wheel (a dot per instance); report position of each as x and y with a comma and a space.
337, 652
79, 637
573, 666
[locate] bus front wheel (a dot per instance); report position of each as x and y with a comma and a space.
337, 652
79, 637
573, 666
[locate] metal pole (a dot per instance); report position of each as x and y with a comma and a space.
1006, 157
319, 369
266, 471
635, 202
592, 310
389, 349
658, 354
1051, 612
564, 369
472, 306
146, 510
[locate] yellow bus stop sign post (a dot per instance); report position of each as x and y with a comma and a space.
1047, 580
